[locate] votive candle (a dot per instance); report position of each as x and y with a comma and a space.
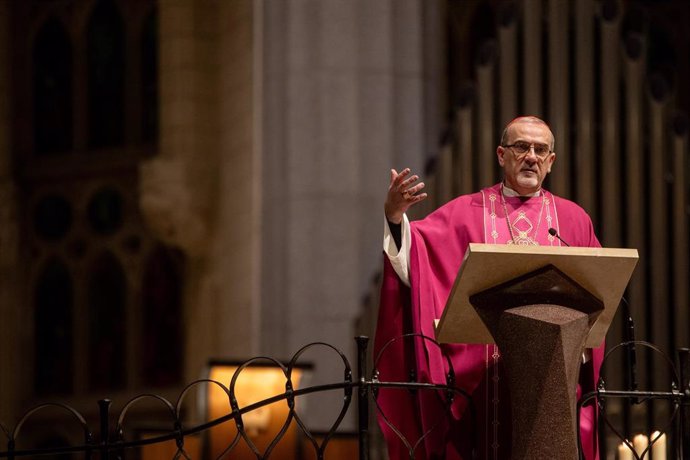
624, 452
658, 446
641, 442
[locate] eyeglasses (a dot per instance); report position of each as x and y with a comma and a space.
521, 148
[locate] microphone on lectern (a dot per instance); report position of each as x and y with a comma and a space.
629, 334
631, 355
553, 232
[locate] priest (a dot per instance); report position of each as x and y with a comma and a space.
422, 259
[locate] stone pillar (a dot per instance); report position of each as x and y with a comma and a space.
236, 252
324, 166
200, 192
344, 99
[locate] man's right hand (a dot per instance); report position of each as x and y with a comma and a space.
402, 193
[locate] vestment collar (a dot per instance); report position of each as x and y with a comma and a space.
507, 191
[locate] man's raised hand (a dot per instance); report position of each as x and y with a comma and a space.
403, 192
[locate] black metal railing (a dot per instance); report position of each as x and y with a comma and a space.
677, 396
110, 442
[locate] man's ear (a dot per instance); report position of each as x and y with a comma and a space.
500, 151
551, 160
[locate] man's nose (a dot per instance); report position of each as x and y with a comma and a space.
531, 155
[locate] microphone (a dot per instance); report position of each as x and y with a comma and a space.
553, 232
631, 355
629, 336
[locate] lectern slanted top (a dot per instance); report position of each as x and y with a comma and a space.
604, 272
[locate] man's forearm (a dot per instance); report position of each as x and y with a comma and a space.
396, 245
396, 232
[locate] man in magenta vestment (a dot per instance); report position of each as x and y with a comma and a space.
422, 260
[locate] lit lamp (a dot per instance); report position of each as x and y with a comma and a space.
256, 382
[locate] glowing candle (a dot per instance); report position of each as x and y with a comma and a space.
659, 446
624, 452
640, 442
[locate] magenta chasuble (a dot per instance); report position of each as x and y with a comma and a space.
438, 246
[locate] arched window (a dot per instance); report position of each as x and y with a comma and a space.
149, 78
162, 340
52, 89
53, 298
106, 76
88, 81
107, 297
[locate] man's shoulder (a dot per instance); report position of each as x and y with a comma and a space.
564, 201
566, 204
470, 200
458, 206
475, 198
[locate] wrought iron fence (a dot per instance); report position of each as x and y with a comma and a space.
677, 395
110, 441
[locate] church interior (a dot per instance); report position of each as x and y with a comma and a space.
186, 183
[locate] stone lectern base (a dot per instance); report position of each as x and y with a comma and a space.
540, 322
542, 353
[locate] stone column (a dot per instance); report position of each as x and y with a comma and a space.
200, 192
344, 100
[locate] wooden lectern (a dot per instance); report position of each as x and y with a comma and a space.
542, 306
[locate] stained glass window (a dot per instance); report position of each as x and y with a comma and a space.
53, 330
162, 320
107, 297
52, 89
106, 76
